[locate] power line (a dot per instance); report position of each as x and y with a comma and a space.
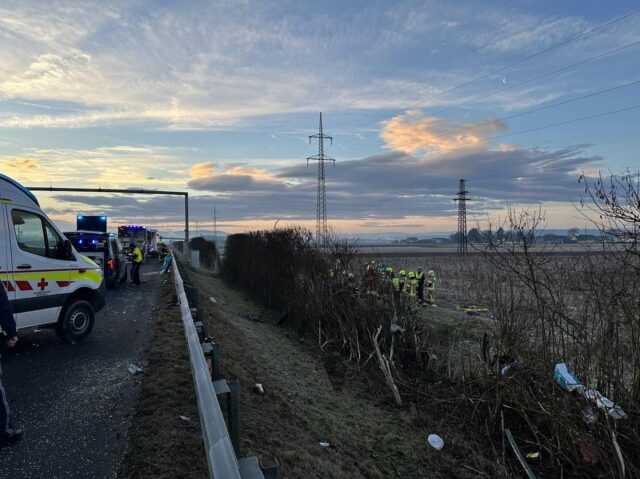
539, 77
534, 110
506, 67
561, 123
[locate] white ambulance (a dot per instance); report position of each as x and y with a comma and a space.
48, 282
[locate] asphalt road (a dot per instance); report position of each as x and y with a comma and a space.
74, 400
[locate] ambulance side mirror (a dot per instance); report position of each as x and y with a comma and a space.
68, 250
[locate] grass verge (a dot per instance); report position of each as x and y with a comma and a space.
161, 444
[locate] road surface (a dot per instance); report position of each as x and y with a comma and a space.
74, 400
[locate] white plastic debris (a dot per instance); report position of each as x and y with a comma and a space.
613, 410
565, 378
436, 442
134, 369
511, 368
396, 328
184, 418
325, 444
257, 387
213, 300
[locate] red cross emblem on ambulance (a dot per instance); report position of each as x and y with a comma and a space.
42, 284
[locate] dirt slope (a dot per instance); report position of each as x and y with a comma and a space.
302, 407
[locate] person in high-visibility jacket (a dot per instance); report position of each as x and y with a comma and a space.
136, 262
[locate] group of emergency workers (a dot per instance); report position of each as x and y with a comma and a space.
378, 279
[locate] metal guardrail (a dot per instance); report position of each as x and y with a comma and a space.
221, 458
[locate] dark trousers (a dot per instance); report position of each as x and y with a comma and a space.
4, 409
420, 292
135, 273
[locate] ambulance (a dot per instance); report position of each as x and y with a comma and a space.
48, 282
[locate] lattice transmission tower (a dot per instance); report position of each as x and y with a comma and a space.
462, 217
321, 207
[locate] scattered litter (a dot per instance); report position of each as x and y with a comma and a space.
533, 455
436, 442
184, 418
565, 378
521, 459
613, 410
511, 368
589, 415
37, 330
396, 328
134, 369
254, 317
213, 300
327, 445
258, 388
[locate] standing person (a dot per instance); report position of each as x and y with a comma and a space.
431, 287
167, 262
136, 261
420, 278
8, 435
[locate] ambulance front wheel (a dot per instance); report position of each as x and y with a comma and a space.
76, 321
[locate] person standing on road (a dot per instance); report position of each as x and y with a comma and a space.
8, 435
136, 262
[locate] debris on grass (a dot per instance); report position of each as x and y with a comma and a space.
436, 442
134, 369
213, 300
566, 379
258, 388
511, 368
184, 418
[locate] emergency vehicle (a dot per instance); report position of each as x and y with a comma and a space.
132, 236
48, 282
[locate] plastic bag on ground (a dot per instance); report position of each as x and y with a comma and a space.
436, 442
566, 379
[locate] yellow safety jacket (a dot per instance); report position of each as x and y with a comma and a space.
136, 255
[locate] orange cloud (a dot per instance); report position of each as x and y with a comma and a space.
202, 170
414, 132
23, 164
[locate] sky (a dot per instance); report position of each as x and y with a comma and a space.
218, 98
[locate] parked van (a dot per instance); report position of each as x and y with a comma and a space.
48, 282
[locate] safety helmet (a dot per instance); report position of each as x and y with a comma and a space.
402, 272
412, 274
431, 274
389, 269
373, 262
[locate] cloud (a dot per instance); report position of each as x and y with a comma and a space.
202, 170
413, 132
117, 166
22, 164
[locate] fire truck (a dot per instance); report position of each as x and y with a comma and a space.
131, 236
144, 238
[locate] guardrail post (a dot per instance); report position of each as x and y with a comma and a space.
234, 414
